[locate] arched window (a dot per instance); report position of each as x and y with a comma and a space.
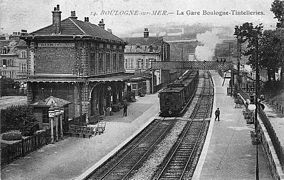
23, 54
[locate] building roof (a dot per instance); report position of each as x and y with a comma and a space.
144, 41
72, 26
54, 101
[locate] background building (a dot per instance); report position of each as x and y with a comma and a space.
140, 52
13, 56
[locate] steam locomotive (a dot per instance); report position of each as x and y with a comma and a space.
176, 96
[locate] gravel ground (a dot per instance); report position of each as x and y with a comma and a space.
150, 166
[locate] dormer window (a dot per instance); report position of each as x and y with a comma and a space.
150, 48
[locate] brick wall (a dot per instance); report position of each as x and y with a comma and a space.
54, 60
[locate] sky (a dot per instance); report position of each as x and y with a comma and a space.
35, 14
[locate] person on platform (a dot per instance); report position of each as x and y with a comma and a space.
125, 109
217, 114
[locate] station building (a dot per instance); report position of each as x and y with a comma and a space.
77, 61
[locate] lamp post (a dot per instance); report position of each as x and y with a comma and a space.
256, 107
239, 60
51, 115
57, 114
61, 122
153, 73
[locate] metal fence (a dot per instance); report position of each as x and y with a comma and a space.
10, 152
275, 141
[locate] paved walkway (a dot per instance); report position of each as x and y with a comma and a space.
69, 158
228, 153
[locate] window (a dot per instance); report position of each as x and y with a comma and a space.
5, 50
142, 63
107, 62
139, 63
93, 61
23, 54
5, 63
126, 64
121, 63
23, 67
134, 86
147, 63
10, 62
101, 62
114, 62
131, 63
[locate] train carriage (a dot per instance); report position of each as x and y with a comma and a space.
176, 96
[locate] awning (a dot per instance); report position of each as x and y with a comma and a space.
110, 79
79, 79
52, 80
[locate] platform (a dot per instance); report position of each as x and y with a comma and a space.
228, 152
71, 157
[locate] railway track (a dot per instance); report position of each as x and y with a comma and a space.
180, 163
183, 156
123, 164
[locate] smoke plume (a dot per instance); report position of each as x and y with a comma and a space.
206, 51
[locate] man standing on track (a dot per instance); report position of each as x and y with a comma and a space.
217, 114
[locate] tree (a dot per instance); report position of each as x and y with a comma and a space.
251, 35
264, 46
277, 7
269, 56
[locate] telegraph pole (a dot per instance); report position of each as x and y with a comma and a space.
239, 59
256, 109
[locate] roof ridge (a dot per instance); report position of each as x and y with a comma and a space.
77, 26
92, 25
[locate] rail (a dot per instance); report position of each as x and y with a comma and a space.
180, 162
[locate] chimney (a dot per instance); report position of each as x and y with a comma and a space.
24, 32
56, 19
86, 19
73, 15
109, 30
102, 24
146, 33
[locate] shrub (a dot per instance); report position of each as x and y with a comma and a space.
12, 136
16, 117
